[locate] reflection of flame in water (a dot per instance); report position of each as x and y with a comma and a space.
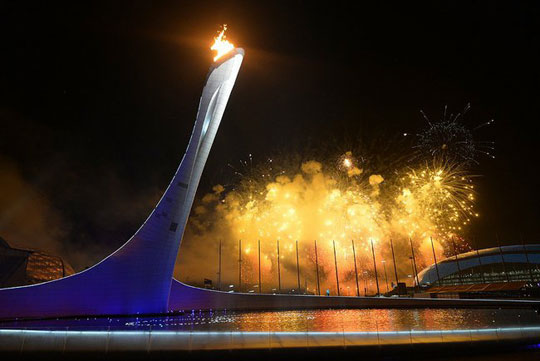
221, 45
314, 202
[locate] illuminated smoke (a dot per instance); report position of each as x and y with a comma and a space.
313, 201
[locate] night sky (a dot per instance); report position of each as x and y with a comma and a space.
98, 100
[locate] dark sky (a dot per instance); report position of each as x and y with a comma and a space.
97, 100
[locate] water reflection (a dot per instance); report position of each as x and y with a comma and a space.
377, 320
303, 320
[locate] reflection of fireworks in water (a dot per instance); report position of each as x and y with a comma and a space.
450, 140
309, 201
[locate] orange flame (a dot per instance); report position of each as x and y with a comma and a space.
221, 45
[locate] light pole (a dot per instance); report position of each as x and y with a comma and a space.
317, 265
355, 269
239, 265
375, 268
278, 269
259, 249
394, 259
297, 267
435, 260
415, 270
335, 263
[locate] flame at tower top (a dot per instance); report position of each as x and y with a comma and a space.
221, 45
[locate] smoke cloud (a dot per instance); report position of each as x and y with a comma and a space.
27, 218
314, 201
79, 223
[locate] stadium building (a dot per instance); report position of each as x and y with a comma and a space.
506, 271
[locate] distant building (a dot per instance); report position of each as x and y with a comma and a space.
19, 267
494, 272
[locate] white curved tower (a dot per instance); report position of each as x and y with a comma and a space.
137, 277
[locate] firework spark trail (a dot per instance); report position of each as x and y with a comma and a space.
448, 139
